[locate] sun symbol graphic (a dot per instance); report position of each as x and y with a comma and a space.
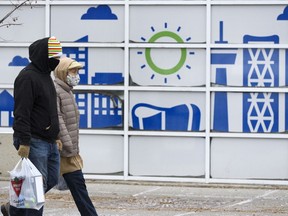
158, 70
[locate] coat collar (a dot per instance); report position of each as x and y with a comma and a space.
63, 85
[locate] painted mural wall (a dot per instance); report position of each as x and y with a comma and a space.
168, 72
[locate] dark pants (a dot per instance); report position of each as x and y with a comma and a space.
76, 183
45, 157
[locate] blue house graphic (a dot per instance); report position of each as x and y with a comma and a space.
6, 109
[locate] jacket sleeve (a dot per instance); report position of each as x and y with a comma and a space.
24, 96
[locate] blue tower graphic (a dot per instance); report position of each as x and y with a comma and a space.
260, 69
6, 109
221, 59
284, 17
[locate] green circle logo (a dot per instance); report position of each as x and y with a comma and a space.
150, 62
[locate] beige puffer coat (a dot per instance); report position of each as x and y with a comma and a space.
67, 110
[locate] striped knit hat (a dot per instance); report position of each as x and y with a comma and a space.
54, 48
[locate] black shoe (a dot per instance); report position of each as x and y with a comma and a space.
5, 209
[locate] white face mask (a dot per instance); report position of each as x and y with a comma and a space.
73, 80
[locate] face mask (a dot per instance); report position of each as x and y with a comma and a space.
73, 80
53, 62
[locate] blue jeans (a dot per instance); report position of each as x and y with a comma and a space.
45, 156
76, 183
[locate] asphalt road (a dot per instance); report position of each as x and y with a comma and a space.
122, 198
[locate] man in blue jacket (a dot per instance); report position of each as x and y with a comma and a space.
36, 123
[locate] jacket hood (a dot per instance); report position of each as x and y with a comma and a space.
38, 54
61, 70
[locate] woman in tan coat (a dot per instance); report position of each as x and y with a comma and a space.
66, 76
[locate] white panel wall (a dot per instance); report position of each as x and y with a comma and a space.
161, 156
101, 153
245, 158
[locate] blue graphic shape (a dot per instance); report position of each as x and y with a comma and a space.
106, 111
102, 12
286, 94
6, 106
284, 15
19, 61
261, 66
222, 61
220, 121
221, 35
263, 115
223, 58
184, 117
82, 103
80, 55
261, 69
286, 112
107, 78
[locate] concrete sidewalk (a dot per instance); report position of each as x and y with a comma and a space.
126, 198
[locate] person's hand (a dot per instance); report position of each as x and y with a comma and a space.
23, 151
59, 145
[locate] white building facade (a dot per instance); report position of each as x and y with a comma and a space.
180, 90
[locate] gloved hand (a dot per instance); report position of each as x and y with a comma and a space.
59, 145
23, 151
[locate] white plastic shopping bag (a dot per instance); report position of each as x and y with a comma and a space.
26, 186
